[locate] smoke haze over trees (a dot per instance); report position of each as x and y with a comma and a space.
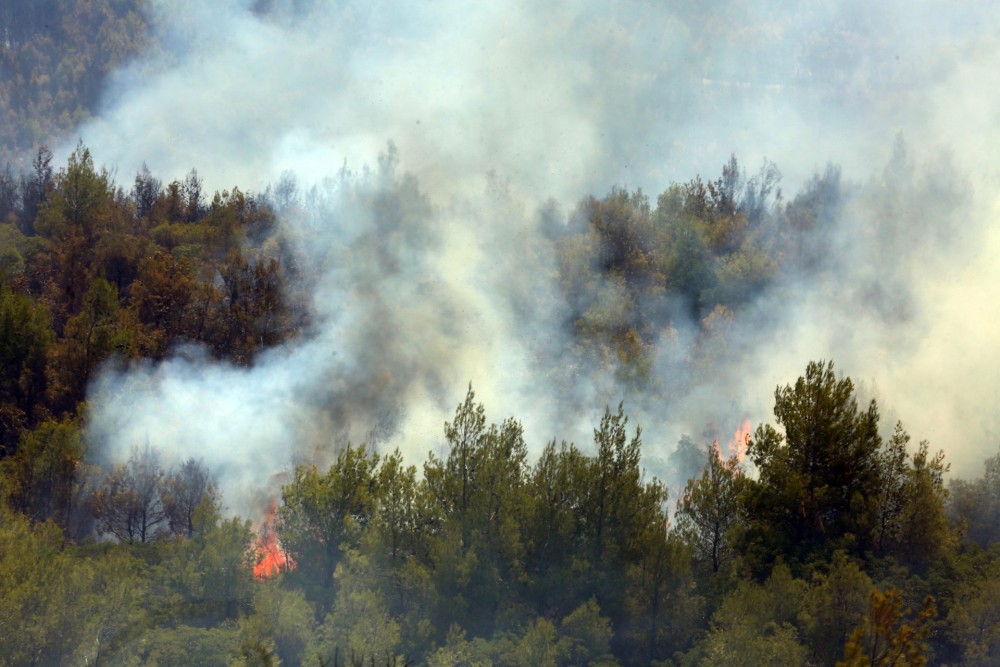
641, 96
273, 243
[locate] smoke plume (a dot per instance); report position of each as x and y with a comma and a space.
426, 151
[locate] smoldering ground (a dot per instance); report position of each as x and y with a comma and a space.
433, 270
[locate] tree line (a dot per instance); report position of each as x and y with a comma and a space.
836, 539
830, 545
93, 272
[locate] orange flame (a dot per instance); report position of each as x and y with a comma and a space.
741, 442
269, 557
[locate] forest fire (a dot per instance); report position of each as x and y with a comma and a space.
269, 557
740, 442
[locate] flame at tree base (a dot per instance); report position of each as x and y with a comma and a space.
269, 556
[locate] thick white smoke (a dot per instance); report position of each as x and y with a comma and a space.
497, 107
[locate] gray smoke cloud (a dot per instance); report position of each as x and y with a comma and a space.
435, 272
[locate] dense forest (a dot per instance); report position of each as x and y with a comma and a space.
816, 539
826, 536
55, 56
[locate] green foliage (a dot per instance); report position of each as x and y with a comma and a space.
813, 476
890, 499
323, 515
489, 556
207, 579
396, 516
756, 625
480, 495
41, 479
186, 645
570, 561
886, 638
837, 603
25, 338
973, 622
458, 651
688, 263
29, 561
90, 337
17, 251
57, 608
222, 558
108, 282
829, 482
631, 274
612, 505
557, 570
54, 60
974, 505
926, 538
283, 619
586, 636
359, 622
582, 638
80, 202
663, 609
709, 510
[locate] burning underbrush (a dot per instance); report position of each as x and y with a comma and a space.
269, 556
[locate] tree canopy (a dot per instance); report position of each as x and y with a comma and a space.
822, 545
